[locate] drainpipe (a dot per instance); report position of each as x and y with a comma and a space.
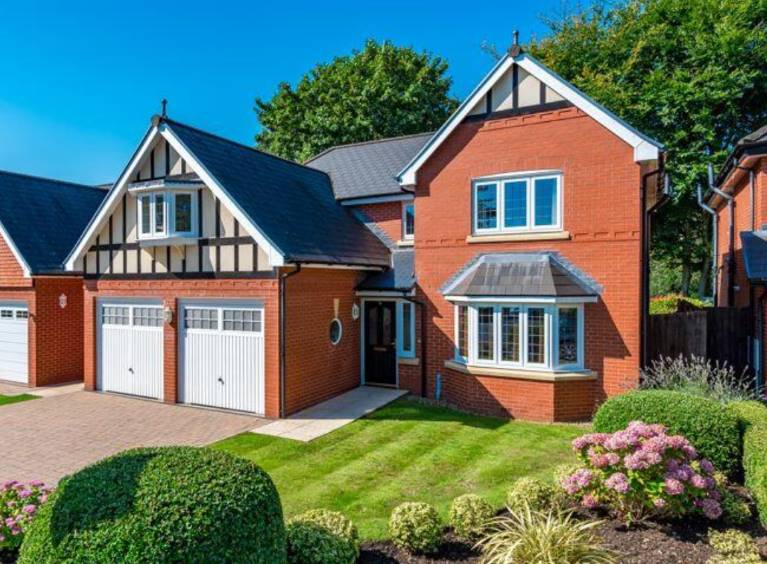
731, 236
714, 243
283, 347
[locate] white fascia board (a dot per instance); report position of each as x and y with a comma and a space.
407, 176
15, 251
522, 299
645, 149
109, 203
276, 258
378, 199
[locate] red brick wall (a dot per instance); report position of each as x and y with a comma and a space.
316, 369
170, 291
388, 216
602, 213
11, 273
58, 347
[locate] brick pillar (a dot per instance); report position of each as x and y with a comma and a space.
89, 338
170, 348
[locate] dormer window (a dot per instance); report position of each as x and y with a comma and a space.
167, 214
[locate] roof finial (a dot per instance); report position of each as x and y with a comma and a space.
164, 104
515, 42
515, 48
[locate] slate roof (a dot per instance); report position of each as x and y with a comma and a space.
400, 277
751, 144
362, 170
543, 274
292, 204
44, 218
755, 254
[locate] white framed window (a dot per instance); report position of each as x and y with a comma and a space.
408, 220
520, 335
406, 329
517, 202
167, 214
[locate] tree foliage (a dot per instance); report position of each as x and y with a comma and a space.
690, 73
381, 91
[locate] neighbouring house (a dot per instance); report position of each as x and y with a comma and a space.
739, 202
41, 307
498, 264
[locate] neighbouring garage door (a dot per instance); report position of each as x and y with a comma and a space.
130, 349
14, 334
223, 357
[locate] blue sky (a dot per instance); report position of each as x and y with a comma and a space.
80, 80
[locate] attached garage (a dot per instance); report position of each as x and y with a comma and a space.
130, 348
222, 356
14, 347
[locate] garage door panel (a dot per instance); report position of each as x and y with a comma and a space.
14, 348
222, 350
147, 362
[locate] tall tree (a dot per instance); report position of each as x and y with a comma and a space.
691, 73
381, 91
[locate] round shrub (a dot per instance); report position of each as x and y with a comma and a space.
178, 504
531, 492
709, 425
468, 516
415, 527
320, 536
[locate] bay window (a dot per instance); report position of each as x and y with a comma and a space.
167, 214
532, 336
528, 202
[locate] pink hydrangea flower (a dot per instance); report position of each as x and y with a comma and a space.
29, 509
698, 481
659, 503
589, 501
711, 508
707, 466
618, 482
673, 487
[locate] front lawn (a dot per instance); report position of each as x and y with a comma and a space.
5, 400
406, 451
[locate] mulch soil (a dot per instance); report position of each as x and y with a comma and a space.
673, 542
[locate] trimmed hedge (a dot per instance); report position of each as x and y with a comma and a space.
178, 504
416, 527
753, 419
320, 536
710, 426
469, 515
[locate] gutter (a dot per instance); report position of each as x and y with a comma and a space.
283, 347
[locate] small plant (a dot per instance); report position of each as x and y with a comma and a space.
641, 472
732, 547
18, 506
525, 535
468, 515
531, 492
736, 510
698, 376
415, 527
321, 536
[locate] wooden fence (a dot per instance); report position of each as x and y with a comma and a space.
719, 334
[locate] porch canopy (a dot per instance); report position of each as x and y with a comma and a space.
544, 276
755, 255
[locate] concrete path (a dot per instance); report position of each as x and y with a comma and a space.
330, 415
10, 389
54, 436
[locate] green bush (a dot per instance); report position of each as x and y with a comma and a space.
543, 536
531, 492
709, 425
752, 416
320, 536
415, 527
733, 546
178, 504
468, 515
675, 302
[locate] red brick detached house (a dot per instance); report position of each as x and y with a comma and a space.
41, 311
496, 264
739, 202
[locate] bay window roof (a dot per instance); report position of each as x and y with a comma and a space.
521, 275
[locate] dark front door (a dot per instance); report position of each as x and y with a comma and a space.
380, 344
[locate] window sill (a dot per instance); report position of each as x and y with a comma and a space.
168, 241
523, 236
405, 243
408, 361
518, 374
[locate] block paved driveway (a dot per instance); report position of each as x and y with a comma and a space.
51, 437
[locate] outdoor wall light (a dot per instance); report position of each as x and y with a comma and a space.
168, 315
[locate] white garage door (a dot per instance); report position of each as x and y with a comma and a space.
223, 357
14, 332
130, 349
